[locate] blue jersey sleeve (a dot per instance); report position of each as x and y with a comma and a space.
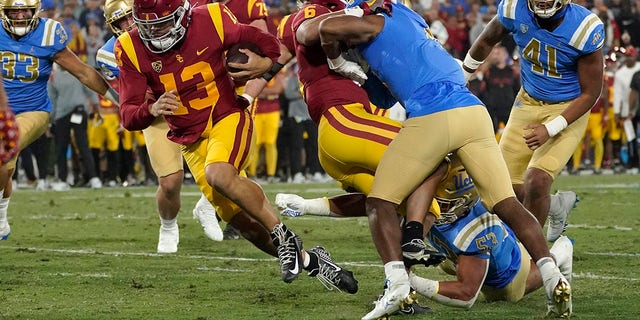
507, 13
106, 60
60, 37
595, 29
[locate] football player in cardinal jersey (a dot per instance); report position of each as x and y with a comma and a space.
164, 154
30, 45
167, 68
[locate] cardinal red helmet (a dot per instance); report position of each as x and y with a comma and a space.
161, 23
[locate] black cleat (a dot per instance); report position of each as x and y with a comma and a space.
417, 252
330, 274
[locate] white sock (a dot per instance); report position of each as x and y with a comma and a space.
169, 224
306, 259
4, 205
547, 268
395, 271
318, 206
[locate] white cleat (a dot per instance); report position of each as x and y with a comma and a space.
206, 214
558, 290
562, 250
95, 183
290, 204
558, 217
168, 240
5, 231
395, 296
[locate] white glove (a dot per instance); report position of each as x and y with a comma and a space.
348, 69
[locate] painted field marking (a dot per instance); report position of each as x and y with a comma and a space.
589, 275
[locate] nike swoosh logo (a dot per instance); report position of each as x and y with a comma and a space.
295, 269
199, 52
338, 269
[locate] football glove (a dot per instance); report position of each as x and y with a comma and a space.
9, 143
348, 69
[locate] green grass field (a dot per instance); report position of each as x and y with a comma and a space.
90, 254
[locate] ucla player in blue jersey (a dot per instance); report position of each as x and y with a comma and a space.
443, 116
481, 250
165, 155
28, 48
562, 73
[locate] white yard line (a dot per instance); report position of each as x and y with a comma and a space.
589, 275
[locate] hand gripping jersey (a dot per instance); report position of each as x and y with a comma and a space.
26, 65
411, 62
195, 68
549, 59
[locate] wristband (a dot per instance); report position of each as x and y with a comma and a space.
556, 125
355, 11
471, 63
467, 75
248, 97
336, 62
275, 68
112, 96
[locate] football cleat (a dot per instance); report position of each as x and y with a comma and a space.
289, 252
230, 233
558, 292
413, 307
5, 231
417, 252
168, 240
290, 204
206, 214
561, 302
330, 274
562, 250
395, 297
558, 217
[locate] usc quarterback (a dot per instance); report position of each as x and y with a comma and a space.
177, 55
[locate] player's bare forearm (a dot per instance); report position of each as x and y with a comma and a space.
590, 76
308, 32
492, 34
349, 30
85, 73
